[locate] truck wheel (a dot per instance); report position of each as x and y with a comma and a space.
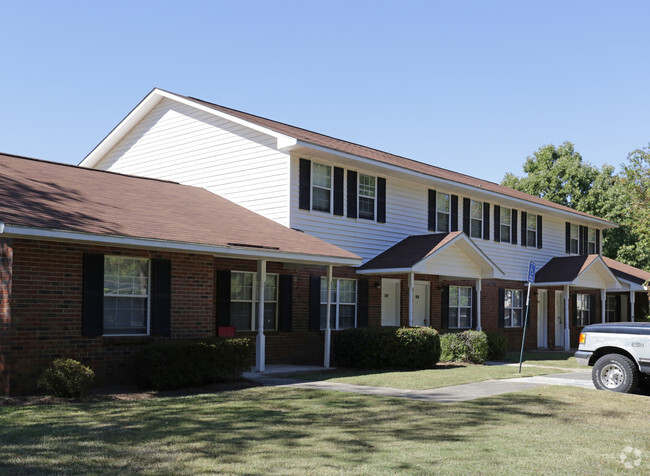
615, 372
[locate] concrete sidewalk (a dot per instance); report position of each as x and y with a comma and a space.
457, 393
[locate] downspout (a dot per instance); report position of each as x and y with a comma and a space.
261, 338
328, 328
567, 332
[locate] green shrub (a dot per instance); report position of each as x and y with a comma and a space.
386, 348
466, 346
497, 346
66, 378
176, 363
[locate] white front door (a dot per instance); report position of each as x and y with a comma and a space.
542, 319
421, 303
390, 289
559, 319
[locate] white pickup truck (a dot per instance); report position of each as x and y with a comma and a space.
619, 353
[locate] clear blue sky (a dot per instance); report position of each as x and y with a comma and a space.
472, 86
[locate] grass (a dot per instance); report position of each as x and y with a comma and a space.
441, 376
547, 359
551, 430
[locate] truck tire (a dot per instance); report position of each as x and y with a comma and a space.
615, 372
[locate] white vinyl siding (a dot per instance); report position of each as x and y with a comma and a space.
181, 143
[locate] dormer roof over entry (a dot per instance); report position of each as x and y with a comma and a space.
586, 271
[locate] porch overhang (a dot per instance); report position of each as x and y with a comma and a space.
445, 254
586, 271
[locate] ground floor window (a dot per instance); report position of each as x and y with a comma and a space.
610, 309
460, 307
244, 299
583, 309
126, 295
343, 311
513, 308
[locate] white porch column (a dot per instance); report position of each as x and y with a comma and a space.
328, 327
411, 283
567, 333
632, 299
603, 306
261, 338
478, 304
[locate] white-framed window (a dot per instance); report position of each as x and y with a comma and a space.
321, 187
443, 205
591, 241
506, 224
244, 299
476, 219
367, 193
460, 307
583, 308
610, 309
574, 239
126, 295
513, 308
531, 230
343, 313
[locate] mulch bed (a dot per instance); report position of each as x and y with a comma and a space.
126, 393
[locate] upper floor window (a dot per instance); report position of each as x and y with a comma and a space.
126, 295
367, 190
244, 299
513, 308
476, 219
506, 224
531, 230
591, 241
574, 239
583, 309
442, 212
343, 313
460, 307
321, 187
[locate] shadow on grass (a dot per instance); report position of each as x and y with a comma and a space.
348, 372
171, 434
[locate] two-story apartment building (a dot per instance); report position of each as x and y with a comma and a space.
439, 248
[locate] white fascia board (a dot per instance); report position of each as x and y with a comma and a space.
628, 286
385, 271
14, 231
468, 188
557, 283
606, 268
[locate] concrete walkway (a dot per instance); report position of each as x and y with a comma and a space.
457, 393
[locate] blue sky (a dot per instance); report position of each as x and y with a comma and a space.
472, 86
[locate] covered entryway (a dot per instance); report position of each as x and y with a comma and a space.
390, 290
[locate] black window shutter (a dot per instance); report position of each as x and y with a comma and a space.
223, 297
454, 213
513, 227
501, 307
539, 231
597, 241
432, 210
362, 303
445, 307
524, 228
581, 241
592, 309
285, 305
161, 297
486, 221
466, 212
338, 191
314, 303
497, 223
352, 194
304, 180
574, 309
474, 309
92, 322
381, 200
567, 237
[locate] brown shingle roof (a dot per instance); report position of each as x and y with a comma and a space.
563, 269
385, 157
627, 272
46, 195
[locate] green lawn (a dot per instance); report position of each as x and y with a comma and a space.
548, 359
441, 376
551, 430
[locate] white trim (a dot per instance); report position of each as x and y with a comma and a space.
384, 271
18, 231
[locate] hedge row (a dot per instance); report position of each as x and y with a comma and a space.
386, 347
187, 363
